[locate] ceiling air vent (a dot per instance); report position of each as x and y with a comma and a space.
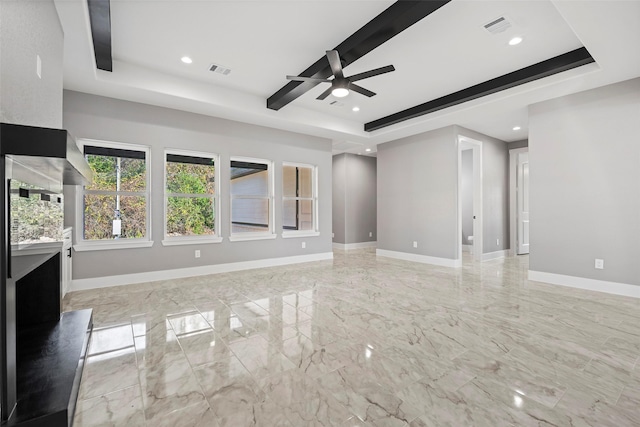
219, 69
498, 25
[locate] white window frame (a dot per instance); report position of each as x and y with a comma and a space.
194, 240
98, 245
270, 234
287, 234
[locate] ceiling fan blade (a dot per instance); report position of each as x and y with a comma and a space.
371, 73
307, 79
335, 64
324, 94
361, 90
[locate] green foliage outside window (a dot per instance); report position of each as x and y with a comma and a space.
190, 199
100, 208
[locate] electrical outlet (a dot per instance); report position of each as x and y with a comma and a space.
304, 245
599, 264
415, 244
197, 253
333, 235
497, 242
371, 234
38, 66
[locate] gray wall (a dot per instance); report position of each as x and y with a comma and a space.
339, 186
466, 197
88, 116
518, 144
418, 187
361, 199
417, 194
354, 180
585, 184
27, 29
495, 191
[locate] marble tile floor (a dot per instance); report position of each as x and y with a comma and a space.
360, 341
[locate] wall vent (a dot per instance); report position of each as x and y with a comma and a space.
498, 25
219, 69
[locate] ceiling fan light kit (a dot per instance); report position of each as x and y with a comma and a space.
341, 86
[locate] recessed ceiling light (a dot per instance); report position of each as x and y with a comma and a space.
186, 60
356, 109
368, 150
516, 128
514, 41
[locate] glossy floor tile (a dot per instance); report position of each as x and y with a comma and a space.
360, 341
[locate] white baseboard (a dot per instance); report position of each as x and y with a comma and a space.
152, 276
495, 255
444, 262
587, 284
348, 246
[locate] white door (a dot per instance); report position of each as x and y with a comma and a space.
523, 203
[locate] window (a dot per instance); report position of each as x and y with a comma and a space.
115, 206
298, 199
251, 199
191, 198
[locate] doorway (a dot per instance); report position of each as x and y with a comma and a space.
519, 195
469, 197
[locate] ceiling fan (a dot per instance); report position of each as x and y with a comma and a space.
341, 85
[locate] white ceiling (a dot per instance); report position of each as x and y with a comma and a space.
263, 41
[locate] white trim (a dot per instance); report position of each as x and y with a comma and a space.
179, 273
360, 245
444, 262
294, 234
495, 255
513, 206
615, 288
191, 241
240, 238
86, 247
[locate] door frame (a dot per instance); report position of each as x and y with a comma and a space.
466, 143
513, 199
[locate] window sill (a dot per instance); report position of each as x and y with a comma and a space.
86, 247
241, 238
187, 241
294, 234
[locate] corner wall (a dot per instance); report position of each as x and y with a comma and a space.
495, 191
28, 29
355, 216
95, 117
585, 186
339, 187
417, 196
